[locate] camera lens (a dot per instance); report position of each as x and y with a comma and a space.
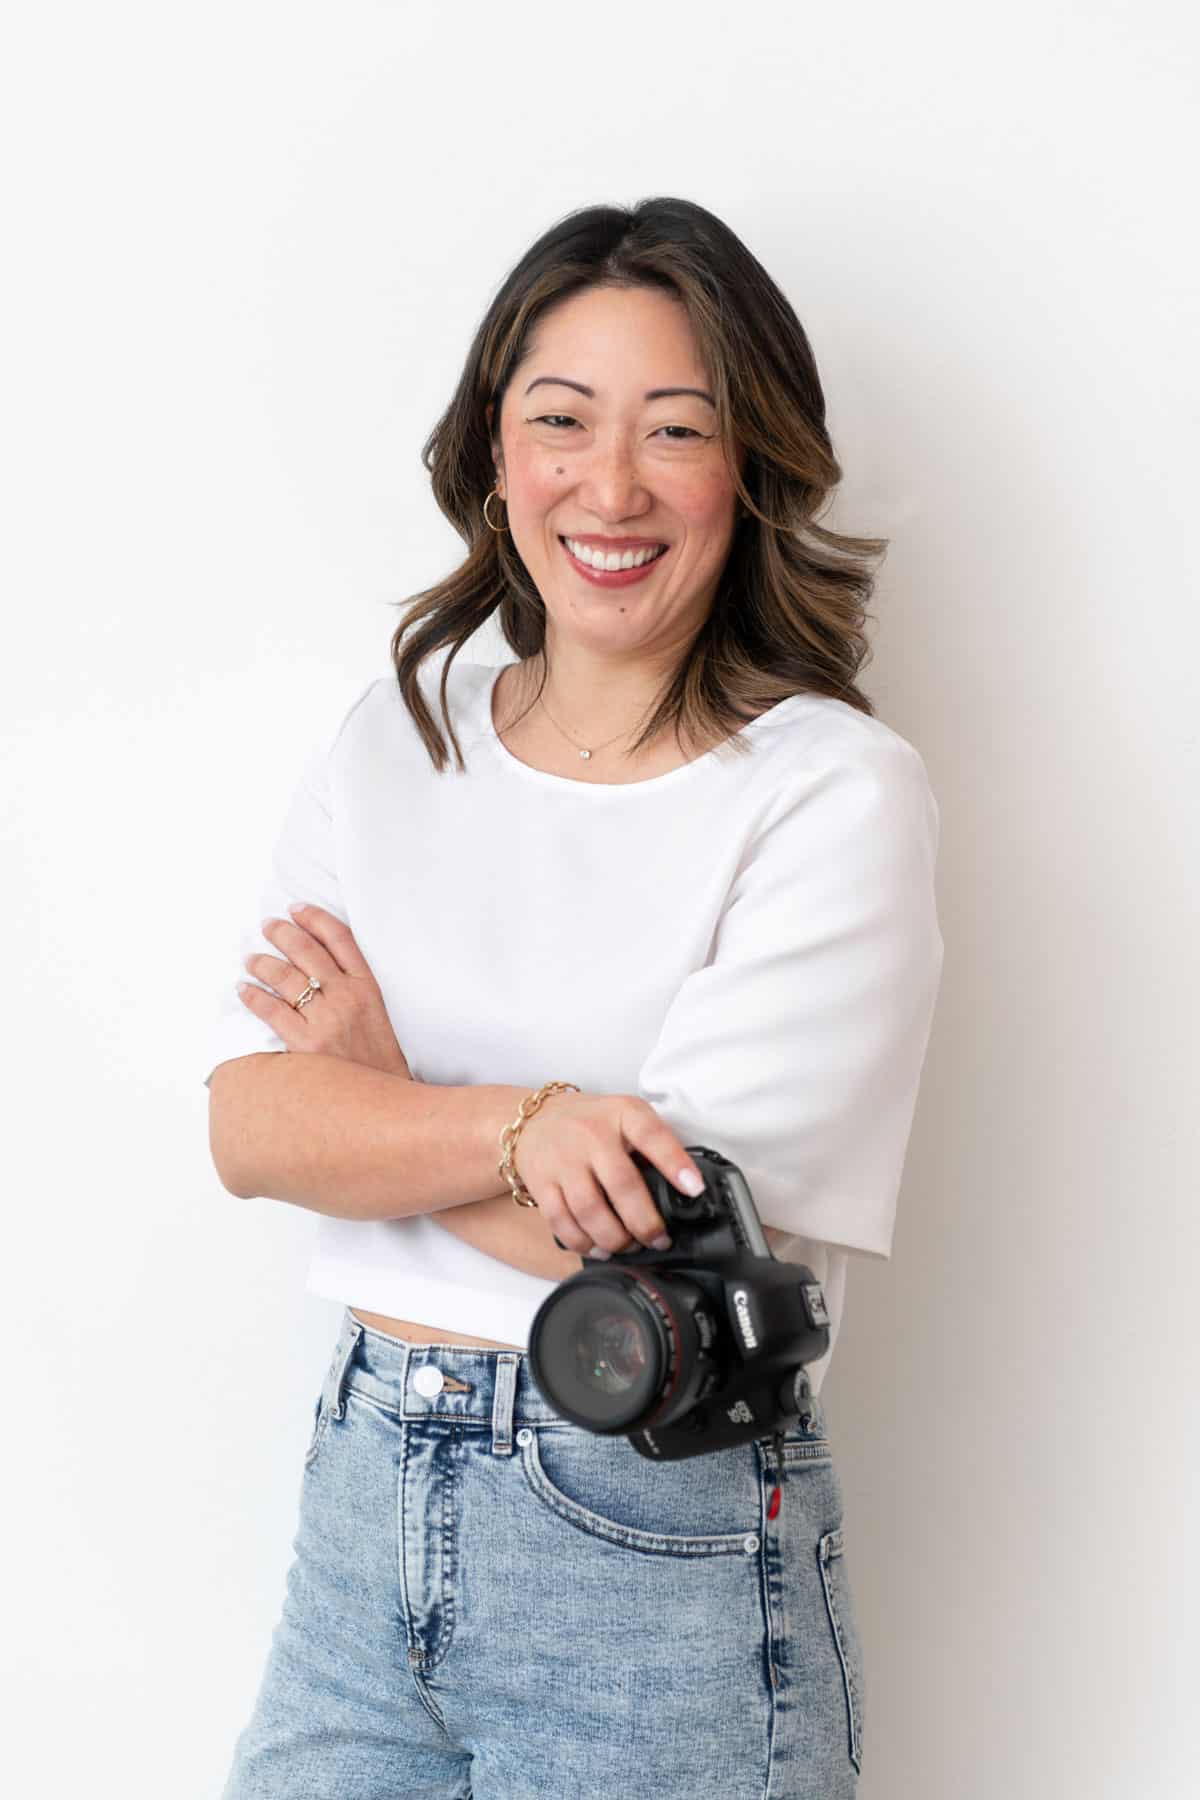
598, 1353
618, 1349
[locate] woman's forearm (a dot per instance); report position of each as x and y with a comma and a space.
348, 1140
515, 1234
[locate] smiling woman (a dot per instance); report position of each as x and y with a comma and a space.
633, 489
682, 897
639, 376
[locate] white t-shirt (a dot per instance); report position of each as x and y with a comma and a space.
748, 942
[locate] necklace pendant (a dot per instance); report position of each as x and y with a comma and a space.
585, 754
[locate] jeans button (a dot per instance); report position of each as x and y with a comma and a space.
428, 1380
524, 1435
749, 1544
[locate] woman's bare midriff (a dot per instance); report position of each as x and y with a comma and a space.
428, 1334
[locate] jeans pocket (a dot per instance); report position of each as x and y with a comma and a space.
697, 1506
839, 1602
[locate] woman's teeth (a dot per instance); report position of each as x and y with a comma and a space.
598, 559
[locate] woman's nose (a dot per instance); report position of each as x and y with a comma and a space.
613, 484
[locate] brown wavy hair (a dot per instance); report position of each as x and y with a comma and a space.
788, 614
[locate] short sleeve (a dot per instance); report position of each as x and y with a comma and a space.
796, 1051
302, 867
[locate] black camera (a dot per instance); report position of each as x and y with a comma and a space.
690, 1349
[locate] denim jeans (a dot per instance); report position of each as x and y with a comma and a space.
488, 1602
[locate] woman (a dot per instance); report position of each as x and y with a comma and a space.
678, 892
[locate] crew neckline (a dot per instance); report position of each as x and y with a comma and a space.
487, 689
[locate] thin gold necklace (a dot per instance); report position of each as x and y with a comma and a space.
585, 754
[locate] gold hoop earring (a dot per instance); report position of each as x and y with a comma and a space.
499, 497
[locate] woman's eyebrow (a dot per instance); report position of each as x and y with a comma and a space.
651, 394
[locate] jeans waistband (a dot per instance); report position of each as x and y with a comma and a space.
417, 1382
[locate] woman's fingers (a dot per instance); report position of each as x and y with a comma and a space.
279, 1014
619, 1195
296, 947
289, 975
288, 980
590, 1216
643, 1128
348, 1017
334, 935
323, 947
611, 1203
575, 1158
562, 1222
626, 1210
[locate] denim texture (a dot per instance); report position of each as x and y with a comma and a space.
488, 1602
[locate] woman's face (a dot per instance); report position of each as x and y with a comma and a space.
614, 463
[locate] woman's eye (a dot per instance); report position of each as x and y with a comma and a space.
554, 419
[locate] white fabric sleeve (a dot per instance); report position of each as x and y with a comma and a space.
302, 867
797, 1050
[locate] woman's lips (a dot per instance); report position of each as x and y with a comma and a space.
613, 578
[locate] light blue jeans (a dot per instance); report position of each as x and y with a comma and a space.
490, 1603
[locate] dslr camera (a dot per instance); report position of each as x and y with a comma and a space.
690, 1349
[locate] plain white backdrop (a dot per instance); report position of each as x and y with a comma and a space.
246, 249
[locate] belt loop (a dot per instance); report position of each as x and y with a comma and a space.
339, 1362
502, 1403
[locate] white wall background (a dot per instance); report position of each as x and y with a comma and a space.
247, 246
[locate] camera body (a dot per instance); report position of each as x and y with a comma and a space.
691, 1349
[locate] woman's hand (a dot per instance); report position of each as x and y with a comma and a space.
573, 1156
347, 1017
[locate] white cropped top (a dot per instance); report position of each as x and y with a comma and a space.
748, 942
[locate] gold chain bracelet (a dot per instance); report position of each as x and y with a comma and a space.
510, 1134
